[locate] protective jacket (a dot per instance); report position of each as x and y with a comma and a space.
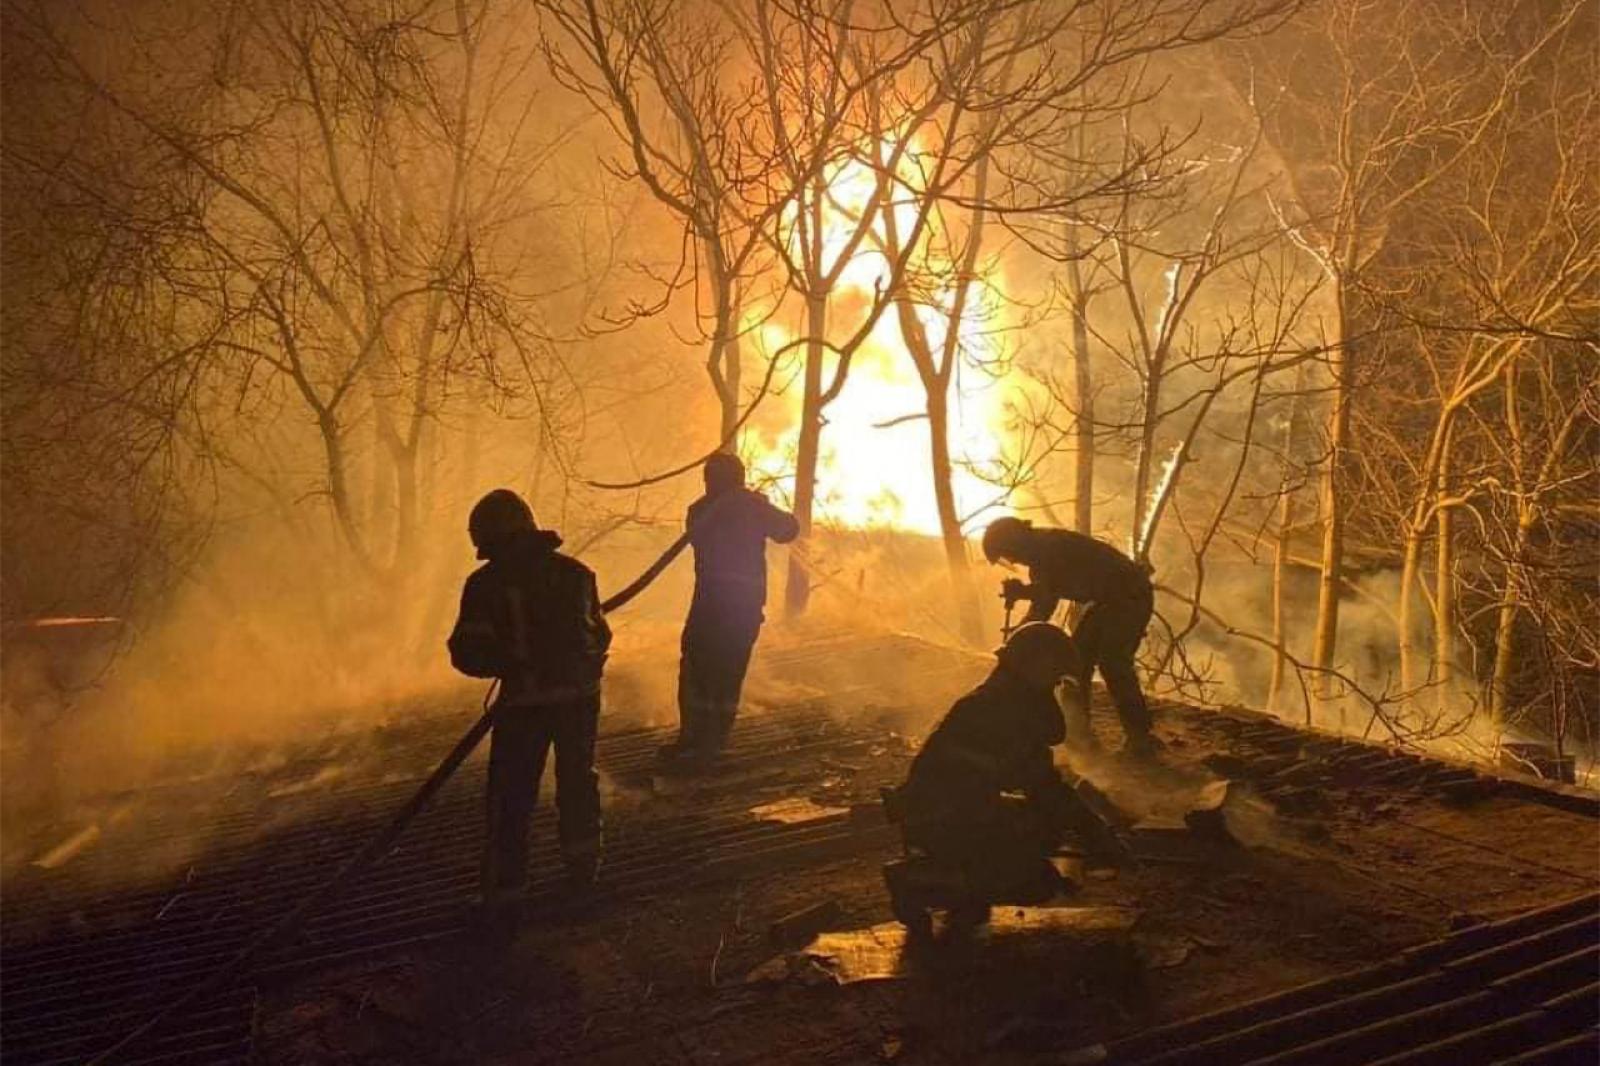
530, 616
1072, 566
995, 739
729, 533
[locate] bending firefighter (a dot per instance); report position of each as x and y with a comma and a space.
729, 528
984, 806
531, 617
1063, 565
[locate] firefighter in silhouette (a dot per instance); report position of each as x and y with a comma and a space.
728, 528
1063, 565
984, 805
531, 617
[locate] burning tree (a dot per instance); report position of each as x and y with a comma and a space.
1201, 317
873, 159
742, 146
985, 147
818, 70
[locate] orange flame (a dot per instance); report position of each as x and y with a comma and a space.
874, 466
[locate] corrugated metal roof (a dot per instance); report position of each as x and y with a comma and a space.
1526, 989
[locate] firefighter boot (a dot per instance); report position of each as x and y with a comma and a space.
582, 866
916, 886
968, 915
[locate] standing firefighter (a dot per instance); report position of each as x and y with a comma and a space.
971, 842
530, 616
1063, 565
729, 528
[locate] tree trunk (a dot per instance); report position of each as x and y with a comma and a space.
369, 475
339, 489
732, 372
962, 589
1282, 550
1149, 414
1510, 597
1280, 574
727, 392
1326, 632
797, 590
723, 362
1082, 398
1505, 634
401, 454
1444, 622
406, 509
1430, 493
1405, 624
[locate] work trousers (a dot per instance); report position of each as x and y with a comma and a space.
997, 843
1108, 637
718, 637
518, 748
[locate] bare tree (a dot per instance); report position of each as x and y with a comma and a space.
823, 77
1291, 482
1508, 266
1381, 102
1525, 247
946, 271
670, 80
739, 141
1541, 525
350, 172
107, 489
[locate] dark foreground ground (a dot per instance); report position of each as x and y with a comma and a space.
1336, 858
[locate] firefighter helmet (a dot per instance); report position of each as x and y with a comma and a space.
1040, 644
1004, 537
723, 470
497, 516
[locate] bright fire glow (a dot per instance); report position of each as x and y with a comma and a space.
874, 468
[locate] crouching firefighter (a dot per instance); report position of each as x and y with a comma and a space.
531, 617
728, 528
984, 806
1063, 565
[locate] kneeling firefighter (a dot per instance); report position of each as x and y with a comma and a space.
984, 800
531, 617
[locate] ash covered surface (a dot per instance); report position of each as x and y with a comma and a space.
1318, 858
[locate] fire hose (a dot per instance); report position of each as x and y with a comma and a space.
378, 845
